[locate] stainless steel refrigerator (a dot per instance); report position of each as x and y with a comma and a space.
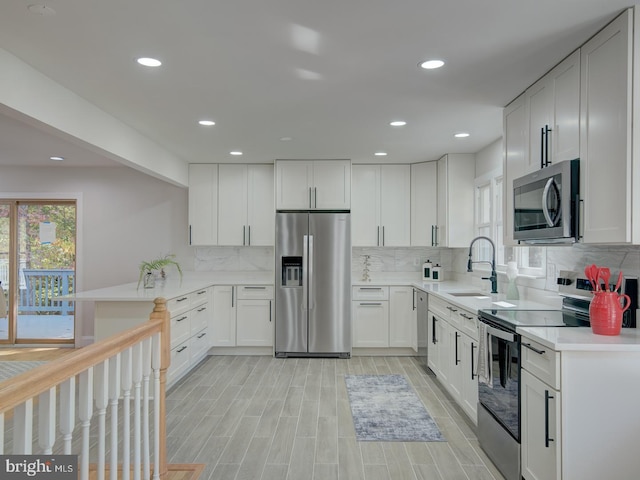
313, 284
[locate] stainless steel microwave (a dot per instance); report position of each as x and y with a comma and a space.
545, 204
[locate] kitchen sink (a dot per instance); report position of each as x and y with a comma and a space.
467, 294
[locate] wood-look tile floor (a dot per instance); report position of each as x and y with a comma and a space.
263, 418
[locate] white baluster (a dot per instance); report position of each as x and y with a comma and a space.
1, 433
114, 395
137, 384
126, 424
146, 372
67, 412
85, 412
23, 428
155, 364
47, 420
101, 387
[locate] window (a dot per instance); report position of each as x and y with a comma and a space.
489, 222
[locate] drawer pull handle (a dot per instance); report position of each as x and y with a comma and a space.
201, 335
534, 349
254, 288
181, 299
202, 292
181, 349
369, 288
464, 315
181, 319
202, 309
452, 309
370, 304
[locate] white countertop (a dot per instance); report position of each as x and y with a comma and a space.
173, 287
582, 339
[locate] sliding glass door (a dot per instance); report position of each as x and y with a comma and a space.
37, 266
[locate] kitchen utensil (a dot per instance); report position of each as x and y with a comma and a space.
591, 272
605, 274
619, 282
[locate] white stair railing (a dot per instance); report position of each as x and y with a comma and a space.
111, 420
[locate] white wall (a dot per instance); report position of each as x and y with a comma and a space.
126, 217
489, 158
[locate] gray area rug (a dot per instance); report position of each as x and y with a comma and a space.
386, 408
11, 369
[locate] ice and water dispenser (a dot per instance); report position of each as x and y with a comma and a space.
291, 271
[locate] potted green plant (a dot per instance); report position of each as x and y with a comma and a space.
148, 269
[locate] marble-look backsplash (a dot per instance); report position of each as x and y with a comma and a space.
234, 259
398, 261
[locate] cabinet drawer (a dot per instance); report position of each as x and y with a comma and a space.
542, 362
439, 307
180, 358
199, 344
468, 323
370, 293
255, 292
199, 317
180, 328
199, 297
178, 304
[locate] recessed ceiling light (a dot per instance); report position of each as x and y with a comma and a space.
43, 10
398, 123
461, 135
207, 123
149, 62
431, 64
380, 154
235, 152
285, 139
56, 158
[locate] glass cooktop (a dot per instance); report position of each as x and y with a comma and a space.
535, 318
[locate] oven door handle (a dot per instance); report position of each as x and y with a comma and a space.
509, 337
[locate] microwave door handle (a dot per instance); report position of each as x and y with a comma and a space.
545, 195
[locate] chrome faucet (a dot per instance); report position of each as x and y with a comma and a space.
494, 276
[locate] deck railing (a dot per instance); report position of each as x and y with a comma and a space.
122, 378
42, 286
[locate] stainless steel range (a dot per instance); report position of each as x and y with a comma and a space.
499, 378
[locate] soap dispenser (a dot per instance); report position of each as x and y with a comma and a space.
426, 270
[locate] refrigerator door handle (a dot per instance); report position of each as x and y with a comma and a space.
309, 282
305, 273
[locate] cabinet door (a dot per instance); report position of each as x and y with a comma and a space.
332, 185
565, 135
365, 207
469, 386
456, 176
605, 133
443, 331
203, 204
395, 205
541, 441
223, 320
539, 99
293, 185
433, 344
260, 208
254, 323
424, 202
370, 324
515, 148
402, 318
232, 211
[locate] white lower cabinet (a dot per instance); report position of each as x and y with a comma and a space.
384, 317
541, 429
242, 316
452, 337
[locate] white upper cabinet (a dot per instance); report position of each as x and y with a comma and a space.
609, 157
203, 204
553, 107
515, 152
424, 202
456, 175
381, 205
246, 214
313, 185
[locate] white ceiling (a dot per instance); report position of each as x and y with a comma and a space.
330, 74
